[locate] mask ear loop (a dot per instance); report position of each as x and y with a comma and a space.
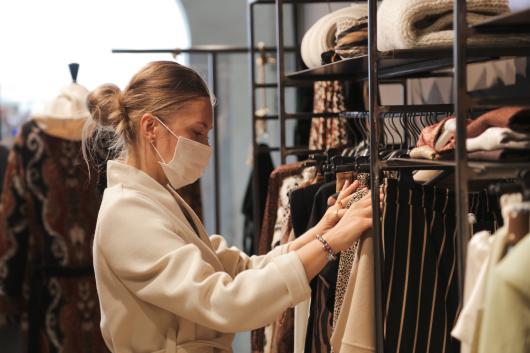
158, 153
168, 129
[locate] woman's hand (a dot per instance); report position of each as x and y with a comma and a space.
335, 212
356, 221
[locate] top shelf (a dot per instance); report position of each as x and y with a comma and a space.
403, 63
421, 61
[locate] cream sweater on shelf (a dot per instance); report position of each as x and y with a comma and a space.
164, 287
405, 24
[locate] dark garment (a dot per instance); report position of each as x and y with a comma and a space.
301, 201
283, 334
319, 327
420, 281
267, 229
263, 167
49, 211
271, 206
193, 197
4, 152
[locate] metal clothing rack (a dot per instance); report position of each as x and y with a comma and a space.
406, 64
212, 52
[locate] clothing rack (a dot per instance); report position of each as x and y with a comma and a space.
407, 64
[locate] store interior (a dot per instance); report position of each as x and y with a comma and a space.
426, 100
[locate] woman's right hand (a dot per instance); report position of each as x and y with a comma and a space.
356, 221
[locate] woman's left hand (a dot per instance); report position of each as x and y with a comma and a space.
334, 213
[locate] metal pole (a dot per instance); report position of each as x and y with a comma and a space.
280, 62
212, 78
461, 101
256, 207
375, 169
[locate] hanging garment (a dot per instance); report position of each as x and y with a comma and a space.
347, 257
319, 326
301, 201
263, 167
406, 24
420, 289
354, 329
47, 220
4, 152
271, 205
146, 279
478, 252
282, 328
259, 341
283, 213
328, 132
506, 320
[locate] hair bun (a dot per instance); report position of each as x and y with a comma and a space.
106, 106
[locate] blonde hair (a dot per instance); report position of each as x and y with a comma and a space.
159, 88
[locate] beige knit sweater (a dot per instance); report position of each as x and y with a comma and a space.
405, 24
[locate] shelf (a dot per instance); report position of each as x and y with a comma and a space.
420, 108
299, 116
404, 63
515, 22
286, 84
425, 164
478, 170
496, 102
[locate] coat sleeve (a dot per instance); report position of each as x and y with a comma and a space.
144, 250
236, 261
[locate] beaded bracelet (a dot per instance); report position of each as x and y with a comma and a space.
325, 245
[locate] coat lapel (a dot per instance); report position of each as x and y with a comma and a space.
203, 240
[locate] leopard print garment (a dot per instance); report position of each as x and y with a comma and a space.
347, 257
328, 132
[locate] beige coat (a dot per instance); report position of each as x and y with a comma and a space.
165, 288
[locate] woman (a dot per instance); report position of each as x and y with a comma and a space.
163, 284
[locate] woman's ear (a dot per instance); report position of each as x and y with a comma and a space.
148, 127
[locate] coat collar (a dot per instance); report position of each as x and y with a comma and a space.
119, 173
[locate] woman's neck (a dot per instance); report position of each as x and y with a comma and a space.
150, 167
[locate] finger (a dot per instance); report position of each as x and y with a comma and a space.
331, 201
349, 190
345, 201
346, 184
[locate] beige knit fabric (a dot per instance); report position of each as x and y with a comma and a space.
404, 24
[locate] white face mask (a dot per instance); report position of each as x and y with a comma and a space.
188, 163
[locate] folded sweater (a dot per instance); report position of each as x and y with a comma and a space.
405, 24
